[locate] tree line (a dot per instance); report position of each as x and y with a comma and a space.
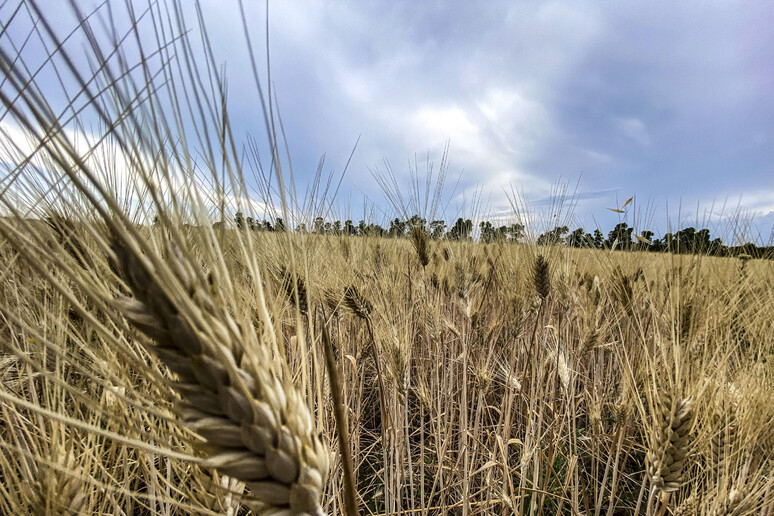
621, 238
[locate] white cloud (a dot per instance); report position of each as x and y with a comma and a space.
452, 122
635, 130
598, 157
42, 184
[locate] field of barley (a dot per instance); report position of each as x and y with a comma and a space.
157, 359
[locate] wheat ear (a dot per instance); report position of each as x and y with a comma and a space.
541, 276
257, 426
669, 442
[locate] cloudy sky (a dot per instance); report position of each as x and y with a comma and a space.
668, 102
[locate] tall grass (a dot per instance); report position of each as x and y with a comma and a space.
181, 368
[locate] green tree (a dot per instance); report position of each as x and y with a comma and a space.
599, 239
579, 238
620, 237
669, 243
437, 229
460, 230
702, 241
318, 225
397, 228
415, 221
717, 248
487, 231
643, 241
686, 240
515, 232
376, 230
553, 236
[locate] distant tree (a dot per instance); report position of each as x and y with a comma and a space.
461, 230
374, 230
437, 229
156, 220
239, 219
318, 225
501, 234
361, 228
620, 236
716, 248
669, 243
279, 225
644, 241
349, 229
553, 236
686, 240
702, 241
415, 221
515, 232
578, 238
397, 228
251, 224
599, 239
487, 231
301, 228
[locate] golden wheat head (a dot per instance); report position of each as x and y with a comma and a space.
669, 442
257, 426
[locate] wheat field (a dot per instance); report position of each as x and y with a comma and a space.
188, 366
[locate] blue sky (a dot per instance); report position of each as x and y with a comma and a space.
668, 102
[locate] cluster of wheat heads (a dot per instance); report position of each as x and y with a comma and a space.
177, 367
523, 379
